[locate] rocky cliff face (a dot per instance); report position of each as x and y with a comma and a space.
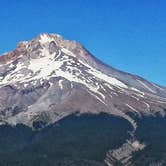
49, 78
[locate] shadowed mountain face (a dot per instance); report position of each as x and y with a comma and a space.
49, 78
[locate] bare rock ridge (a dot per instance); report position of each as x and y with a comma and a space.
49, 78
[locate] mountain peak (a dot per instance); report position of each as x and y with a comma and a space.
52, 77
41, 41
53, 45
46, 38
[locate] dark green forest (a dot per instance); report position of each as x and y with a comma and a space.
76, 140
80, 141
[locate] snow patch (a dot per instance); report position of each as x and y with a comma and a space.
97, 73
158, 87
60, 84
147, 105
44, 65
97, 97
134, 89
137, 145
45, 39
64, 50
106, 78
146, 86
132, 108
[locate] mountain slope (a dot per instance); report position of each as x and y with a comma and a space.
49, 78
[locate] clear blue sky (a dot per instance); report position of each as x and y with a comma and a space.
127, 34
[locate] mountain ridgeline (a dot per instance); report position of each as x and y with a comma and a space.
61, 106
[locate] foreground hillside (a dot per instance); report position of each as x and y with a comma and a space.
81, 140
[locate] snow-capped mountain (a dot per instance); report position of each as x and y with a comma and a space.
53, 76
49, 78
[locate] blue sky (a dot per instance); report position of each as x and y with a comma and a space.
127, 34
